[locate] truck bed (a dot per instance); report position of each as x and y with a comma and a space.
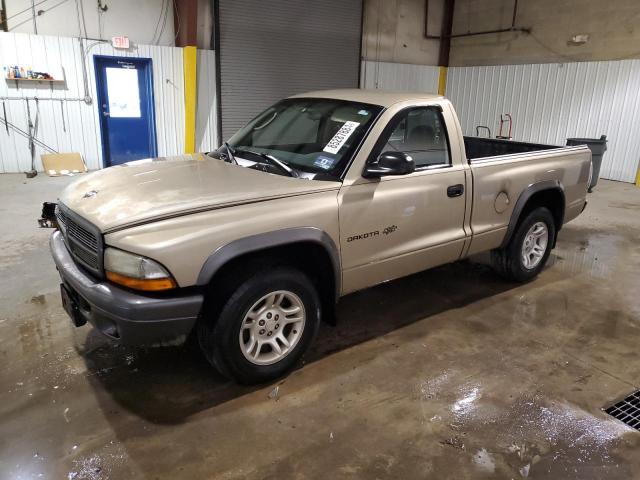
478, 147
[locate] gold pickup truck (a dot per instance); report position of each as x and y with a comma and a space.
322, 194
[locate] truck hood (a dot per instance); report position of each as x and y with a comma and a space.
146, 190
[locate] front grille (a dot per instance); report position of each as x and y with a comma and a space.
627, 410
83, 239
89, 258
88, 239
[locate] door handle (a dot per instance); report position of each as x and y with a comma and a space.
455, 190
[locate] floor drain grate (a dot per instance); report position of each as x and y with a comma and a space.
627, 410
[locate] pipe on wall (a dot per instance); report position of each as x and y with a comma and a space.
3, 18
449, 35
445, 33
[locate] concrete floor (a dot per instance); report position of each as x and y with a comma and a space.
451, 373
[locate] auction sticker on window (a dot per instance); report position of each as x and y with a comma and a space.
341, 136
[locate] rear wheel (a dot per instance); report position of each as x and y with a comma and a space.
527, 252
264, 327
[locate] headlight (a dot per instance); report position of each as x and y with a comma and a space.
135, 271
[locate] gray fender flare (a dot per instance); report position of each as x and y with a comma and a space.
524, 198
255, 243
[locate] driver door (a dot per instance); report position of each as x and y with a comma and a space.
397, 225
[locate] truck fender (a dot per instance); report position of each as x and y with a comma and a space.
255, 243
522, 201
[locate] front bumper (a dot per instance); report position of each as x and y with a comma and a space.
128, 317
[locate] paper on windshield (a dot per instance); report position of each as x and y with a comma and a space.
341, 136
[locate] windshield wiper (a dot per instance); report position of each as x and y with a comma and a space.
230, 154
274, 161
281, 164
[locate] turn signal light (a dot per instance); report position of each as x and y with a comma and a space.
147, 285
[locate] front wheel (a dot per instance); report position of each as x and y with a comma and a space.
527, 252
264, 327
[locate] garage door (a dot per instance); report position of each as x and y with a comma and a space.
270, 50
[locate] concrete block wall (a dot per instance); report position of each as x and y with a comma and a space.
393, 31
612, 27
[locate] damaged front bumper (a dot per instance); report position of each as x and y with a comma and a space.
131, 318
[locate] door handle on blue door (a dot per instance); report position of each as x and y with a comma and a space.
455, 190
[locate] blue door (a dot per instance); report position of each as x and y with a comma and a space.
125, 105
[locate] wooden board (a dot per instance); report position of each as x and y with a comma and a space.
56, 164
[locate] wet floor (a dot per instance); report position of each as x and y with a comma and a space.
451, 373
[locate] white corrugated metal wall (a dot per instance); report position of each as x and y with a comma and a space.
399, 76
61, 54
550, 102
206, 117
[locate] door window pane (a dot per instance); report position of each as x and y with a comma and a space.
123, 92
421, 133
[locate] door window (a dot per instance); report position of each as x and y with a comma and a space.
421, 133
123, 92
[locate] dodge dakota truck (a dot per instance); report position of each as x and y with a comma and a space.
249, 247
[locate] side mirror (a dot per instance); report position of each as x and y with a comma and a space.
390, 163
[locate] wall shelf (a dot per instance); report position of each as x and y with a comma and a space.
34, 80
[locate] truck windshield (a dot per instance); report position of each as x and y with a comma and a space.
315, 135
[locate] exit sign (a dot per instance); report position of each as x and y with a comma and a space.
120, 42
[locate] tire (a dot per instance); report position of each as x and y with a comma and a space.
510, 262
226, 340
